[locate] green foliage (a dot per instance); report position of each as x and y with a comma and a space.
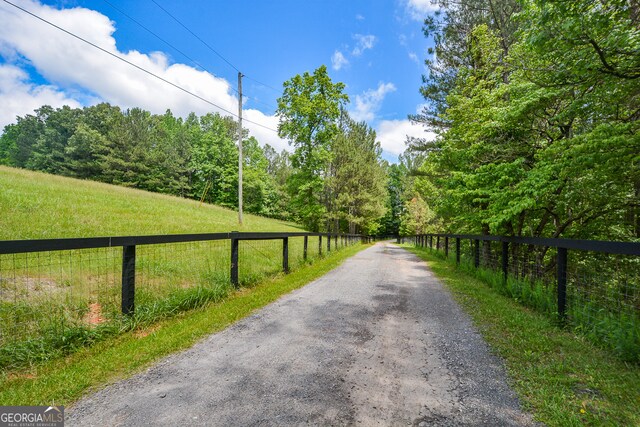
278, 198
308, 110
616, 330
390, 222
355, 185
195, 158
417, 218
536, 109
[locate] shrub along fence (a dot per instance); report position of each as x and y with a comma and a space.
591, 285
58, 294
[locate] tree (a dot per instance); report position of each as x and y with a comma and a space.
125, 156
451, 29
279, 169
355, 188
539, 135
81, 152
417, 218
169, 156
390, 222
308, 110
49, 150
214, 160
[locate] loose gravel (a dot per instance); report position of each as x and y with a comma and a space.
377, 341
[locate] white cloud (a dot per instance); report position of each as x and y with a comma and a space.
19, 97
70, 63
338, 60
74, 66
392, 134
414, 57
265, 136
359, 17
363, 42
370, 101
419, 9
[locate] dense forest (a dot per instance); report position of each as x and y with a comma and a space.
535, 106
334, 180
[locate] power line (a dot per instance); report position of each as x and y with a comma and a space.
196, 36
264, 84
211, 48
193, 61
249, 99
134, 65
196, 63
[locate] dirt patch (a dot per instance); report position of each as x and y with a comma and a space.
145, 332
15, 376
94, 316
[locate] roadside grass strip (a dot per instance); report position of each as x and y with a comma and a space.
561, 377
64, 380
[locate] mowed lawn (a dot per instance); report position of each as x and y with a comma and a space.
35, 205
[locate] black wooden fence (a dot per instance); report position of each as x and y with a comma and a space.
590, 285
508, 247
130, 243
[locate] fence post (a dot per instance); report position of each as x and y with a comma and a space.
128, 279
457, 250
319, 244
285, 254
328, 243
505, 259
430, 241
335, 243
476, 253
562, 283
234, 259
437, 243
304, 249
446, 246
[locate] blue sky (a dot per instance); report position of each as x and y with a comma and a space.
375, 47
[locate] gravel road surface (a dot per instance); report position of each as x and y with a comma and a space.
377, 341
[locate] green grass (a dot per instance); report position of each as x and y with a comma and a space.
53, 303
35, 205
65, 380
561, 377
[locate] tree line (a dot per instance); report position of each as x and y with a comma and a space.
194, 157
335, 180
535, 105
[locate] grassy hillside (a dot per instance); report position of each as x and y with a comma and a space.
52, 303
35, 205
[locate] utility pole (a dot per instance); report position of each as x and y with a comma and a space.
240, 148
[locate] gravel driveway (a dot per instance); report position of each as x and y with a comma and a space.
377, 341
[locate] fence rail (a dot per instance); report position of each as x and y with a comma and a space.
57, 294
616, 248
591, 284
129, 244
